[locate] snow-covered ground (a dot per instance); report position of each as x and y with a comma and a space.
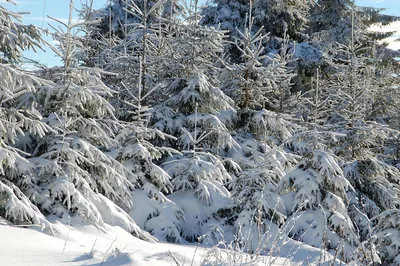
86, 245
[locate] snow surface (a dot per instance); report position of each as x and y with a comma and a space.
86, 245
79, 244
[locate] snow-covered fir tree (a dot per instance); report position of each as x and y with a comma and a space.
119, 13
258, 161
358, 142
387, 234
331, 21
17, 37
317, 192
19, 116
283, 21
76, 174
141, 49
275, 17
363, 140
191, 112
253, 83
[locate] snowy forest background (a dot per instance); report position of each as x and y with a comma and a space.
240, 124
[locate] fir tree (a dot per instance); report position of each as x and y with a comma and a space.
387, 235
76, 172
17, 37
331, 21
258, 81
192, 112
276, 17
19, 116
318, 192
